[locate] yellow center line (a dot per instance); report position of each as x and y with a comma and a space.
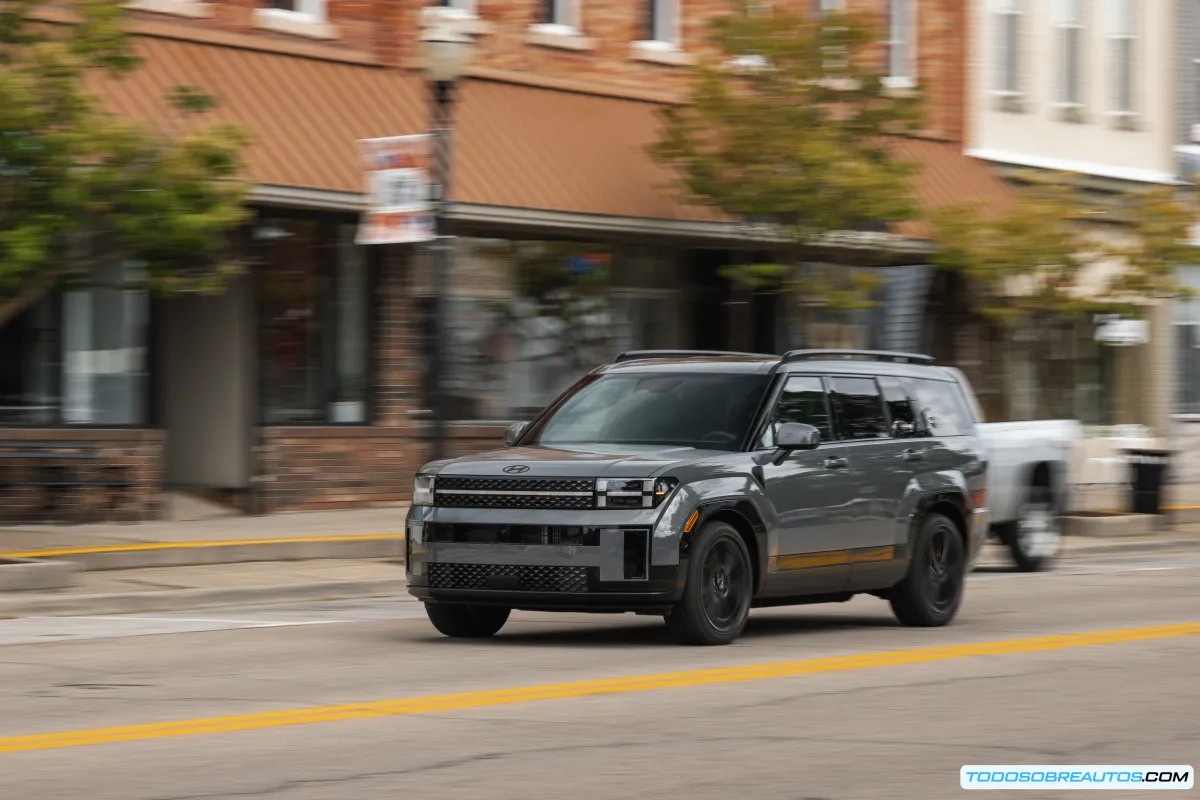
591, 688
128, 548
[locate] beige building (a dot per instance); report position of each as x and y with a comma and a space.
1087, 87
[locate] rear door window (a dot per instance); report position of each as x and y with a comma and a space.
899, 396
859, 407
943, 409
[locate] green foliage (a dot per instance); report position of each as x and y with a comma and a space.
81, 187
1054, 257
798, 137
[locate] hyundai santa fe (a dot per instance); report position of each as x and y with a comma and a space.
698, 485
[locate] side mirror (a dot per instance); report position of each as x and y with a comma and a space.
797, 436
513, 432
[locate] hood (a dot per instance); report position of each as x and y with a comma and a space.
584, 461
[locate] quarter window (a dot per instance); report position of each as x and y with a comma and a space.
943, 410
860, 408
803, 399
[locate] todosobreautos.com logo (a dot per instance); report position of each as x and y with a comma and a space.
1045, 776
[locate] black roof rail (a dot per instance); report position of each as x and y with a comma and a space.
638, 355
868, 355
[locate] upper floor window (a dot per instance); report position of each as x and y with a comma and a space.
563, 15
295, 17
313, 9
1007, 16
1122, 39
1070, 36
831, 5
902, 43
461, 5
662, 22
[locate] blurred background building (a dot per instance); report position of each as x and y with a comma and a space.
302, 386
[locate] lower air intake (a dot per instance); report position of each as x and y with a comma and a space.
523, 578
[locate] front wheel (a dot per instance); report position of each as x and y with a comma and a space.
932, 591
467, 622
1035, 539
716, 596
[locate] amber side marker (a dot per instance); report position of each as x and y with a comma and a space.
691, 521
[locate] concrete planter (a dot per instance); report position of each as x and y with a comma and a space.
1106, 525
24, 574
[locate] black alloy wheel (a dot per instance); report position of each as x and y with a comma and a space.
720, 585
932, 591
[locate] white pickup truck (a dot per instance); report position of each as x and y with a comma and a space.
1028, 486
1028, 482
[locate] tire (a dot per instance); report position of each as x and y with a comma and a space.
1035, 538
717, 592
932, 591
467, 622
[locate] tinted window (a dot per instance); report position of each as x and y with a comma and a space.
943, 408
704, 411
803, 399
860, 408
899, 396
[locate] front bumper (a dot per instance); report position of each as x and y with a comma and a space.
614, 568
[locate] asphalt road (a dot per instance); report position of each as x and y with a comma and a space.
363, 700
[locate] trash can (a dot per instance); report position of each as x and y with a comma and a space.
1149, 475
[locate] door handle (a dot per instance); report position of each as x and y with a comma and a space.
836, 463
912, 455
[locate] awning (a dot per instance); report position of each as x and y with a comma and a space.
516, 147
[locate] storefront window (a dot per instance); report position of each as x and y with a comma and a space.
1186, 319
527, 318
315, 315
79, 356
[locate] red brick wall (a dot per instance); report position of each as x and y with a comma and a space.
138, 451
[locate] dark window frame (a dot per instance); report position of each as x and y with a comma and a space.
151, 346
839, 421
328, 226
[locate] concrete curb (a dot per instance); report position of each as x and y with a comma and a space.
199, 554
1149, 546
185, 599
24, 574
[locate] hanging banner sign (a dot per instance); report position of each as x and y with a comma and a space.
399, 186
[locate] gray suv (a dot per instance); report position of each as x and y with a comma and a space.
697, 485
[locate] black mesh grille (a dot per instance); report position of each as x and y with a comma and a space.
445, 488
515, 484
527, 578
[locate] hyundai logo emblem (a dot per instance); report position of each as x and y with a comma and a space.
516, 469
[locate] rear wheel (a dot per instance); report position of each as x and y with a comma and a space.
467, 622
932, 591
1035, 538
716, 596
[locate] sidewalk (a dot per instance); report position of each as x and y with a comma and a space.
378, 521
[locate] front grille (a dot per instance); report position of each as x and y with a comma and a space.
524, 578
535, 493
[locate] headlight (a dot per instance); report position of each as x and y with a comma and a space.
423, 490
633, 492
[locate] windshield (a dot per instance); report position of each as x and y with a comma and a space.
712, 412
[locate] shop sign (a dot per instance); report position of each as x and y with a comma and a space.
399, 186
1121, 332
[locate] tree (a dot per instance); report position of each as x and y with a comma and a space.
80, 188
788, 122
1039, 271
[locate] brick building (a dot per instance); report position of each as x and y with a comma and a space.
302, 385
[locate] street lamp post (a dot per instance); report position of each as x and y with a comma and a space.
446, 52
